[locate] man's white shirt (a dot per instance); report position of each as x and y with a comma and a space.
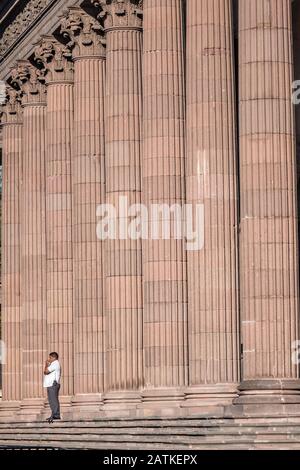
54, 375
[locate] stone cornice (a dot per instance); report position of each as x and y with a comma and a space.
22, 21
117, 14
12, 112
55, 59
31, 82
46, 22
84, 33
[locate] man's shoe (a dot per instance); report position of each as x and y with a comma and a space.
56, 417
49, 420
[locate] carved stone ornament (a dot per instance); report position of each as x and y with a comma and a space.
55, 59
120, 13
85, 34
24, 19
31, 82
12, 112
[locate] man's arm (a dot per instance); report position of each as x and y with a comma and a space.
46, 370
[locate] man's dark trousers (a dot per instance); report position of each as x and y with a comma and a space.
53, 399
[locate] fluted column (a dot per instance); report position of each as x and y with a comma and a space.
124, 307
11, 311
164, 260
88, 183
268, 240
59, 79
296, 90
33, 239
211, 182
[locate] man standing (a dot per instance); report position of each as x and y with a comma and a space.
52, 383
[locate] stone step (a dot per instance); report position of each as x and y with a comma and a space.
176, 438
88, 439
151, 424
158, 421
147, 446
133, 422
152, 429
57, 429
101, 424
154, 434
274, 420
204, 444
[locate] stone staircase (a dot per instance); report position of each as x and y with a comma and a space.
156, 434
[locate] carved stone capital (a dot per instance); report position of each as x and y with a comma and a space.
31, 82
120, 13
85, 34
55, 60
12, 111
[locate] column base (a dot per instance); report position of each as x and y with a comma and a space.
65, 403
161, 402
86, 406
209, 399
120, 404
31, 409
9, 410
269, 392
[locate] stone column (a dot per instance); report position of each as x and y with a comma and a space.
211, 182
88, 169
11, 306
124, 304
268, 241
33, 236
51, 55
164, 260
296, 43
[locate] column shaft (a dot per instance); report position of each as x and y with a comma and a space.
59, 227
89, 191
296, 44
268, 244
211, 182
123, 178
33, 243
11, 312
164, 260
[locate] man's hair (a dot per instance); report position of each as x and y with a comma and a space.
54, 354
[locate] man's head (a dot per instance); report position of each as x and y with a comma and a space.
53, 357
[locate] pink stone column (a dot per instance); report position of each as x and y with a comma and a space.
296, 44
88, 183
268, 240
11, 310
33, 236
211, 182
124, 303
59, 78
164, 260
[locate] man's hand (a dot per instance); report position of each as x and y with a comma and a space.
47, 364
